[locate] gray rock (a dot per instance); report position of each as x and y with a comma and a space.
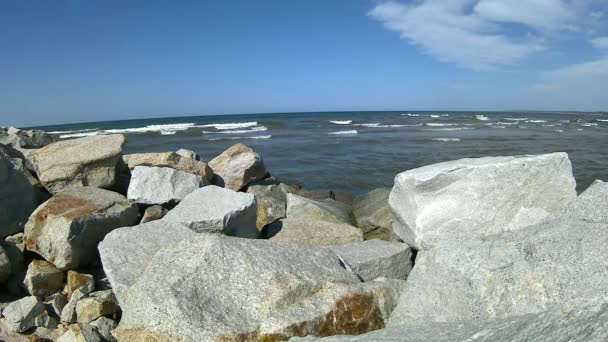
5, 266
55, 303
17, 196
465, 198
214, 287
43, 279
587, 324
170, 160
69, 314
67, 228
91, 308
313, 232
45, 320
559, 264
125, 254
216, 210
18, 138
160, 185
76, 280
20, 315
372, 212
153, 213
373, 259
13, 283
188, 154
271, 200
236, 167
104, 327
89, 161
81, 333
326, 210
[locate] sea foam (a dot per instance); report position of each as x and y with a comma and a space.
344, 122
354, 131
232, 125
446, 139
482, 117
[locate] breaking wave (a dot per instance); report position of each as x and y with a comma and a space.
446, 139
344, 122
354, 131
232, 125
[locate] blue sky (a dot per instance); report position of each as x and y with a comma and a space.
79, 60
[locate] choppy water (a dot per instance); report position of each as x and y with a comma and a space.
359, 151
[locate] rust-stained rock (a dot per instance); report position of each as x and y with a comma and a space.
236, 167
77, 280
170, 160
67, 228
43, 279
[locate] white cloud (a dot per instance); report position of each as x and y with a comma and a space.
445, 31
539, 14
600, 42
588, 76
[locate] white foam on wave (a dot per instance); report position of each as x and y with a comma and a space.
354, 131
74, 131
379, 125
78, 135
602, 120
506, 123
239, 131
344, 122
590, 124
435, 116
150, 128
536, 121
411, 114
439, 124
559, 130
446, 139
516, 119
449, 129
167, 132
498, 127
264, 137
482, 117
232, 125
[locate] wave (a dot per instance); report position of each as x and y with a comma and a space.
150, 128
232, 125
354, 131
516, 119
435, 116
239, 131
498, 127
536, 121
438, 124
379, 125
559, 130
74, 131
344, 122
590, 124
506, 123
78, 135
411, 114
167, 132
446, 139
450, 129
482, 117
238, 138
602, 120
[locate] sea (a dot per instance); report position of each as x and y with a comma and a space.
358, 151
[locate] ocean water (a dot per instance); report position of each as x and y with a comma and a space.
359, 151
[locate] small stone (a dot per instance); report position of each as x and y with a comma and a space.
21, 314
104, 327
45, 320
68, 314
89, 309
153, 213
77, 280
43, 279
188, 154
236, 167
271, 198
55, 303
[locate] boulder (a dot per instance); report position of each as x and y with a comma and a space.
81, 333
558, 264
17, 138
326, 210
313, 232
21, 314
17, 195
188, 154
236, 167
12, 269
217, 210
170, 160
298, 291
55, 303
43, 279
271, 198
161, 185
153, 213
585, 324
67, 228
68, 313
104, 327
5, 266
465, 198
89, 161
89, 309
124, 254
373, 214
76, 280
373, 259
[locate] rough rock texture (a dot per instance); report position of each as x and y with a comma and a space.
18, 138
55, 303
236, 167
17, 197
89, 309
20, 315
124, 254
217, 210
171, 160
81, 333
43, 279
461, 199
188, 154
373, 215
76, 280
373, 259
272, 201
313, 232
153, 213
67, 228
104, 327
68, 314
160, 185
5, 266
89, 161
558, 264
298, 291
587, 324
326, 210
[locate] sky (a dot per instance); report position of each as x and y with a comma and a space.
64, 61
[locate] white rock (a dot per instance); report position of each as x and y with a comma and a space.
21, 314
188, 154
465, 198
313, 232
236, 167
160, 185
373, 259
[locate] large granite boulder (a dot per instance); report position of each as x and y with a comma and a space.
313, 232
271, 198
236, 167
161, 185
170, 160
125, 254
326, 210
465, 198
17, 196
67, 228
558, 264
373, 259
586, 324
373, 215
218, 288
17, 138
89, 161
217, 210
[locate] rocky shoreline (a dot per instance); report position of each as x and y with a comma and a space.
100, 246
